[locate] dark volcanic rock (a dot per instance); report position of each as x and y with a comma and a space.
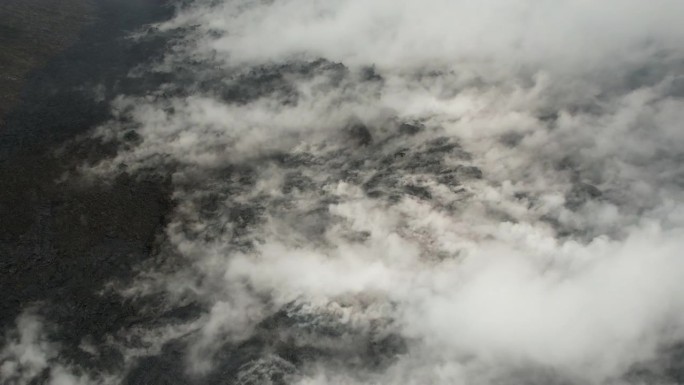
167, 368
61, 99
418, 191
61, 243
360, 134
410, 129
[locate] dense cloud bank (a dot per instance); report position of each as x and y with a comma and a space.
428, 192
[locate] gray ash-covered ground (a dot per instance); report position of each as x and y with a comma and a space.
246, 192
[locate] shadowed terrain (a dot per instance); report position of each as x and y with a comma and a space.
61, 62
31, 32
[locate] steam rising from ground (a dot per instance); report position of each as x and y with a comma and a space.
415, 192
29, 356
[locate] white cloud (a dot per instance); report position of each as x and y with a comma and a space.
29, 353
562, 260
568, 35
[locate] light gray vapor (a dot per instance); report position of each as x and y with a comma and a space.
416, 192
